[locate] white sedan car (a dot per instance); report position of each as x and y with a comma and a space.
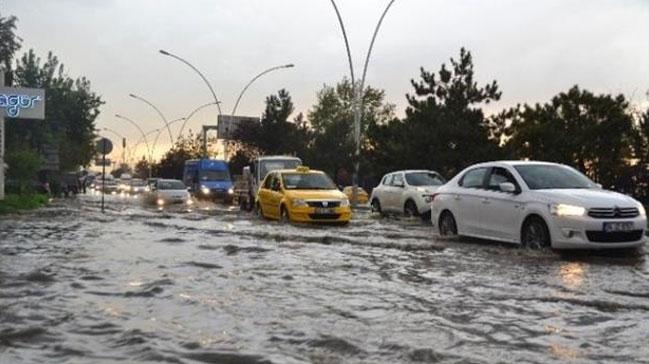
408, 192
538, 205
169, 191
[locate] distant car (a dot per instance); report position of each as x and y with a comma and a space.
409, 192
169, 191
151, 181
537, 204
138, 186
209, 179
362, 196
302, 195
110, 186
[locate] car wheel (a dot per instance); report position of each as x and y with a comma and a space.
284, 217
535, 233
258, 211
410, 209
376, 206
447, 225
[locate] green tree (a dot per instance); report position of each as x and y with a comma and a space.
70, 112
445, 128
172, 163
9, 44
141, 169
23, 166
275, 134
593, 133
332, 121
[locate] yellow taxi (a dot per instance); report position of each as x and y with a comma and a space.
362, 197
302, 195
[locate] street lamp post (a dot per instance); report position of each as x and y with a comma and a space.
141, 132
140, 141
123, 142
190, 115
234, 109
357, 92
164, 119
200, 74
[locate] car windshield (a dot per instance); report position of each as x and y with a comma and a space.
424, 179
274, 165
215, 175
548, 176
307, 181
170, 185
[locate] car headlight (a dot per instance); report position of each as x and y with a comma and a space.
641, 209
567, 210
298, 203
230, 191
205, 190
147, 189
190, 201
161, 202
344, 202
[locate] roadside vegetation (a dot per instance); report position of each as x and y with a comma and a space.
446, 126
68, 128
14, 203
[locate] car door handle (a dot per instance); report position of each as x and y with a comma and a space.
457, 197
486, 201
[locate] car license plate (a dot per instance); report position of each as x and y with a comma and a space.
324, 211
611, 227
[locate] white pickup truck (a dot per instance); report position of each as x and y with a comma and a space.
247, 185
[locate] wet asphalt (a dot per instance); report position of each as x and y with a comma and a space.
216, 285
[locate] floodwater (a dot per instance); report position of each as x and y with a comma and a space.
216, 285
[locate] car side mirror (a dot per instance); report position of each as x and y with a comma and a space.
599, 185
507, 187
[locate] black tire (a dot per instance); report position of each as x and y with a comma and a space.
376, 206
447, 224
535, 234
258, 211
410, 209
284, 216
425, 217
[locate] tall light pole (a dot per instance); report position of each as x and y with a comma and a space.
140, 141
123, 142
200, 74
164, 119
190, 115
357, 92
236, 104
141, 132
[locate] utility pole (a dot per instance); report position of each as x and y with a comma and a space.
2, 142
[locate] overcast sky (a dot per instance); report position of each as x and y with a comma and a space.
534, 49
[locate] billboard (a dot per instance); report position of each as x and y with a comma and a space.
228, 124
22, 103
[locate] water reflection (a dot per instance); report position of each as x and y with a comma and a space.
572, 274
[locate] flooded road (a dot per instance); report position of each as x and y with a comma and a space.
219, 286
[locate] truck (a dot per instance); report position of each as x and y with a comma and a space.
247, 185
209, 179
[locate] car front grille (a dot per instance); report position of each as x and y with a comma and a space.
614, 237
613, 212
324, 216
321, 204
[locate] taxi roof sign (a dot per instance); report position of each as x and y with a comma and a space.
302, 169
